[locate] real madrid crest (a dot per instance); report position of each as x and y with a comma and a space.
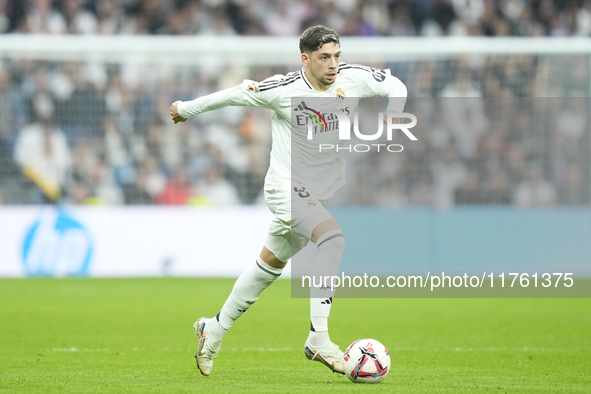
340, 94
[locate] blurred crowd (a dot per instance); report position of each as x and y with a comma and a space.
88, 133
500, 130
100, 133
282, 17
78, 134
526, 152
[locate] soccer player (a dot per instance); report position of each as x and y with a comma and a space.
297, 195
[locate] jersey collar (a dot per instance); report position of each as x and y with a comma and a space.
307, 82
304, 78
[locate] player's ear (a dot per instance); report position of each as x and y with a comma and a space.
305, 58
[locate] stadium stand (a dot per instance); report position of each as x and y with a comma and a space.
99, 133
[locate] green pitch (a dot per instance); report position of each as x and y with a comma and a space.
136, 335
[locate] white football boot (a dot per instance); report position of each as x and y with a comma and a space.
328, 354
208, 348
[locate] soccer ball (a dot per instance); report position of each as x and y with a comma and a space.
366, 361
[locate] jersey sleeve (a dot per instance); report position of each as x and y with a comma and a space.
378, 82
255, 94
247, 94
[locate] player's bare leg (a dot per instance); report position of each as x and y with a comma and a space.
268, 257
330, 241
246, 292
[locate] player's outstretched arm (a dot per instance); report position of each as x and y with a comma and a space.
244, 95
183, 110
376, 82
397, 99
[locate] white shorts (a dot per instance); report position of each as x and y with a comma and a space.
297, 212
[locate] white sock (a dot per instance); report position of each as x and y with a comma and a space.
216, 331
330, 251
246, 291
318, 338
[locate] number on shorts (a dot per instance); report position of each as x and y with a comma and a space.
301, 192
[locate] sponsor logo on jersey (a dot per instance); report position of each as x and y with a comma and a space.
324, 121
254, 87
317, 116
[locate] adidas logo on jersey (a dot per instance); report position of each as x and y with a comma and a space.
301, 106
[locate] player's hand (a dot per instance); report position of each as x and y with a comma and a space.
176, 118
394, 120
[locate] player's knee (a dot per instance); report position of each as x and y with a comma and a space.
323, 228
333, 240
270, 258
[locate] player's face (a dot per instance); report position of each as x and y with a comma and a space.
323, 64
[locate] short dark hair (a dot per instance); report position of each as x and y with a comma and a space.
316, 36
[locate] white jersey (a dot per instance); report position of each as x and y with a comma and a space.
320, 172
